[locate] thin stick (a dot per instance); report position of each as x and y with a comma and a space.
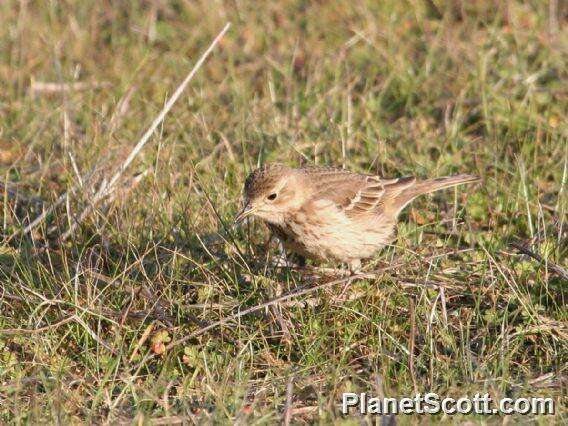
49, 87
411, 343
169, 104
559, 270
18, 331
94, 335
109, 187
76, 318
289, 398
443, 304
276, 300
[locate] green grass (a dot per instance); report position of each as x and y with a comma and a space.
393, 88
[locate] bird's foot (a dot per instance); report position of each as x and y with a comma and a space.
280, 262
283, 260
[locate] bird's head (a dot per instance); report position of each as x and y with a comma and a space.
270, 192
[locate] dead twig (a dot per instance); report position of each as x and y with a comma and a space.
289, 397
552, 266
158, 308
75, 318
296, 293
109, 186
50, 87
121, 109
18, 331
411, 343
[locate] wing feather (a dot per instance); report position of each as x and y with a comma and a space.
355, 193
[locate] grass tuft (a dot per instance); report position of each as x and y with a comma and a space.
477, 302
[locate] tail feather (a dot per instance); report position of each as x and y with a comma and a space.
401, 199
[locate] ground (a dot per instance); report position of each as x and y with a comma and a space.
425, 88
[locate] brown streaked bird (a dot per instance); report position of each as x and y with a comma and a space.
325, 213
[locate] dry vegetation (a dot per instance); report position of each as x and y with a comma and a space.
394, 87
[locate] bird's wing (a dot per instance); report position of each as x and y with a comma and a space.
357, 194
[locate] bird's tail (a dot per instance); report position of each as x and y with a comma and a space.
413, 188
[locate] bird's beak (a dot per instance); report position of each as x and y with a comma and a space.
245, 212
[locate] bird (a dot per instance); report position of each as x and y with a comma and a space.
333, 214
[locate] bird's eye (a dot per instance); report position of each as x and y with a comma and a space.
272, 197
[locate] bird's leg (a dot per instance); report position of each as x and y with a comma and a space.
277, 292
281, 259
354, 266
286, 260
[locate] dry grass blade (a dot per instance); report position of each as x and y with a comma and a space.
57, 324
296, 293
46, 212
468, 87
107, 188
276, 300
557, 269
18, 331
51, 87
411, 343
289, 399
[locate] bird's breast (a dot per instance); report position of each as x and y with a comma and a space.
326, 232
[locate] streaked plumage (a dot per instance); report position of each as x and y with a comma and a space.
327, 213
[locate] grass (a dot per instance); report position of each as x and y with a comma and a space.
394, 88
